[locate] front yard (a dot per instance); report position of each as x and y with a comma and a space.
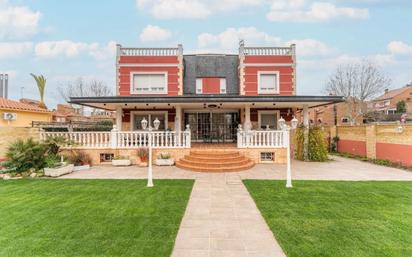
90, 217
328, 218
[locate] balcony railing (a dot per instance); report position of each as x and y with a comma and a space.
149, 51
262, 139
268, 51
123, 139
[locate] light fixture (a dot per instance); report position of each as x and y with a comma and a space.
125, 104
294, 122
156, 123
147, 104
281, 123
144, 123
212, 106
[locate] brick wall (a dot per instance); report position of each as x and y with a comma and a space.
385, 142
10, 134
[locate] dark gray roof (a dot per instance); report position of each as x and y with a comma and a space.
223, 66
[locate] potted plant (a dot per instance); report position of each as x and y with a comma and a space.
121, 161
56, 167
164, 159
143, 155
81, 160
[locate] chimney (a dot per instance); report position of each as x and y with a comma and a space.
6, 85
386, 90
1, 85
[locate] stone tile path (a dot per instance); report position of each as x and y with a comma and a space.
221, 219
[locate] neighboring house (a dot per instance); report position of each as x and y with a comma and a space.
67, 113
21, 114
212, 94
387, 102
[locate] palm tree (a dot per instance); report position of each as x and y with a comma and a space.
41, 84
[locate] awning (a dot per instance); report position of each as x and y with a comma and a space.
202, 101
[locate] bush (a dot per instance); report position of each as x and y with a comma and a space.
79, 158
52, 161
143, 154
317, 147
25, 155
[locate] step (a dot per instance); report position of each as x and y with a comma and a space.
214, 153
214, 164
242, 167
213, 158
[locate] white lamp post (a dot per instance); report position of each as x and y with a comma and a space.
156, 124
149, 146
286, 129
144, 123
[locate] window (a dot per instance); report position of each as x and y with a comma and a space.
268, 82
345, 120
199, 86
267, 156
268, 119
137, 118
386, 102
106, 157
149, 83
391, 111
223, 86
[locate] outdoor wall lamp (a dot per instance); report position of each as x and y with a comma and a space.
144, 123
156, 123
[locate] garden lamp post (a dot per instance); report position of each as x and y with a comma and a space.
149, 146
286, 128
144, 123
156, 124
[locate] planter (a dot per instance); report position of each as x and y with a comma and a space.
59, 171
82, 167
165, 162
121, 162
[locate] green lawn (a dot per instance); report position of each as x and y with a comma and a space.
327, 218
90, 217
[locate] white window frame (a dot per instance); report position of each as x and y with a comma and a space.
222, 86
149, 113
277, 112
277, 73
199, 86
133, 89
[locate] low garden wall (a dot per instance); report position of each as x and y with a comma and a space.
11, 134
384, 142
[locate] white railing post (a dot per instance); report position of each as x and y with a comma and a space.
188, 136
113, 137
240, 136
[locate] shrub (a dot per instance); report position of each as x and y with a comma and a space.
78, 158
163, 156
23, 155
317, 147
121, 157
52, 161
143, 154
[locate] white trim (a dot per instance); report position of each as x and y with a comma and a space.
276, 91
148, 65
199, 86
133, 113
222, 86
268, 64
277, 112
133, 91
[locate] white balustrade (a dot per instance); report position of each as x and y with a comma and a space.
123, 139
268, 51
148, 51
261, 139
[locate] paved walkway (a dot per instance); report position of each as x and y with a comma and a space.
221, 219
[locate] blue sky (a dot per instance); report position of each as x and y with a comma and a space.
65, 40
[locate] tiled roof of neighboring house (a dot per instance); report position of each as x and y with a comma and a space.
15, 105
392, 93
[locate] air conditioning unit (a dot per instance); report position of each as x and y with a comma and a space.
9, 116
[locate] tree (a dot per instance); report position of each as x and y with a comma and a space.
358, 83
401, 107
41, 85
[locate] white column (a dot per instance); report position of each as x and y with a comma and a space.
305, 133
247, 124
178, 118
119, 115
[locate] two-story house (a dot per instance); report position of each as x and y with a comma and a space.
387, 102
212, 96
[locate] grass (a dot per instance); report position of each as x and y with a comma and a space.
386, 163
329, 218
90, 217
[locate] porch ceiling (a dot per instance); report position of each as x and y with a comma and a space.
202, 101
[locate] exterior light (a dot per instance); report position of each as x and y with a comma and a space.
294, 122
281, 123
156, 123
144, 123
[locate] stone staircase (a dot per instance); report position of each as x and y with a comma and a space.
214, 161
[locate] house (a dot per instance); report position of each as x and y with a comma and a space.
21, 114
386, 103
217, 97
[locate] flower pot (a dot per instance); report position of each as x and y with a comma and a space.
59, 171
125, 162
165, 162
81, 167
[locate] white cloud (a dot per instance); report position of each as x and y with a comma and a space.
154, 34
227, 41
308, 11
192, 9
17, 21
399, 47
14, 49
68, 48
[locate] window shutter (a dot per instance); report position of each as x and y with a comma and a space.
199, 86
223, 86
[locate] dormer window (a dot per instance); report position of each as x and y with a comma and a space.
268, 82
211, 85
148, 82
